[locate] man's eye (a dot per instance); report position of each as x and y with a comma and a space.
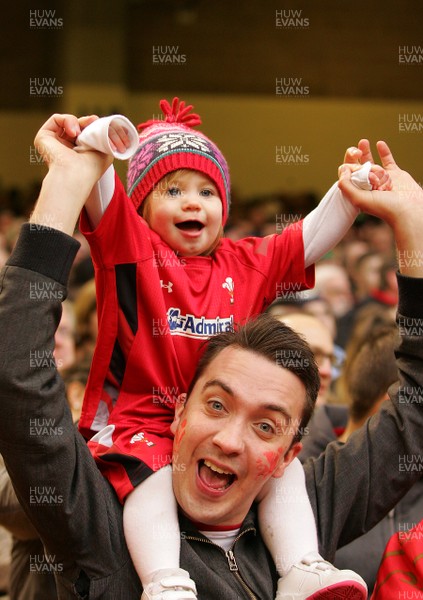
266, 428
216, 405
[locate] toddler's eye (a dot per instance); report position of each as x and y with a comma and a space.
173, 191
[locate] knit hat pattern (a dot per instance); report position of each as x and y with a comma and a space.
171, 144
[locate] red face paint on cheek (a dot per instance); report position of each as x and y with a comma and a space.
178, 437
268, 463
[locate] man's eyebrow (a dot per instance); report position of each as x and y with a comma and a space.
217, 382
226, 388
280, 409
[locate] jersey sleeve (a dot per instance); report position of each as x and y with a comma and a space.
121, 235
280, 259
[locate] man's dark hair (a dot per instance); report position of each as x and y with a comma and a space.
268, 337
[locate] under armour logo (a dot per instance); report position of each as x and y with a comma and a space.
168, 286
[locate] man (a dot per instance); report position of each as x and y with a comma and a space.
217, 473
25, 583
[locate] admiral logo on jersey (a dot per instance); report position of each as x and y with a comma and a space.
197, 327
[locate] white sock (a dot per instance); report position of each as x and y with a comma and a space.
150, 520
286, 519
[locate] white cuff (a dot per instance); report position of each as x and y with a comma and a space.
360, 178
96, 137
327, 224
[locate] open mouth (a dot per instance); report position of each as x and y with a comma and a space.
214, 477
190, 226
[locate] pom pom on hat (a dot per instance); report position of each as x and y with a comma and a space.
171, 144
177, 113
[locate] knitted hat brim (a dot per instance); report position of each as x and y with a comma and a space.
172, 161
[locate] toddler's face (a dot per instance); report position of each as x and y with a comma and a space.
186, 211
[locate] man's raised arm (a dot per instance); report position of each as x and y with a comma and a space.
74, 510
354, 485
401, 208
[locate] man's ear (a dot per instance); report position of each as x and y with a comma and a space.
287, 458
179, 408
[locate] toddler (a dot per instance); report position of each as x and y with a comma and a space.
167, 280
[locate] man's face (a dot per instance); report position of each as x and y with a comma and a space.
233, 434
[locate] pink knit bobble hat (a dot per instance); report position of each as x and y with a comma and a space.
171, 144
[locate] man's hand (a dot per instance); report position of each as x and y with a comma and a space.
401, 208
55, 142
378, 177
71, 175
389, 205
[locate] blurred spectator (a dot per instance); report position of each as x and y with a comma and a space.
64, 349
351, 252
320, 340
384, 298
80, 274
5, 550
6, 220
387, 293
291, 303
378, 235
75, 378
4, 255
12, 232
238, 230
306, 302
86, 327
369, 319
366, 274
371, 369
332, 284
321, 309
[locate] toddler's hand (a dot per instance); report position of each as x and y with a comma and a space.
380, 179
118, 137
114, 135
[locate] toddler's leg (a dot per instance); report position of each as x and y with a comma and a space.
289, 531
286, 519
150, 520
